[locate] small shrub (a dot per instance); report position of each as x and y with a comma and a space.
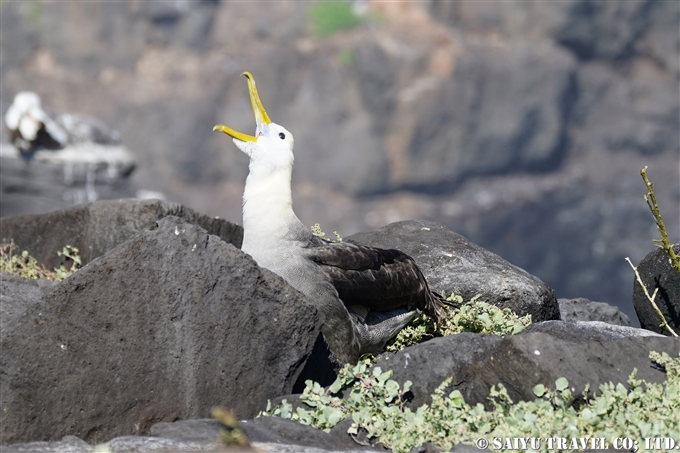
24, 265
474, 316
317, 231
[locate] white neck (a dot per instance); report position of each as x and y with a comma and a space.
268, 209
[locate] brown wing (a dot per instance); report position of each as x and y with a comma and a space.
377, 279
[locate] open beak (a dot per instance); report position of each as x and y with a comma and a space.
261, 118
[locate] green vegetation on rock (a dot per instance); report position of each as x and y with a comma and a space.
473, 316
317, 231
376, 405
24, 265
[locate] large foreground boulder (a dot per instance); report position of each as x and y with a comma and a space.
451, 263
657, 271
95, 228
165, 326
583, 352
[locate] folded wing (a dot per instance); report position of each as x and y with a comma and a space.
378, 279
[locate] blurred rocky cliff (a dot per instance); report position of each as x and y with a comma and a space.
521, 125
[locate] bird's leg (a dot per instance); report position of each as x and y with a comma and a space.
447, 302
338, 329
379, 327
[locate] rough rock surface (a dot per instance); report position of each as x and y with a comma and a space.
591, 330
581, 309
657, 271
520, 120
451, 263
18, 294
258, 430
163, 327
95, 228
68, 444
582, 352
143, 444
201, 430
278, 430
266, 434
462, 448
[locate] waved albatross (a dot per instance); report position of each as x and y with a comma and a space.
365, 294
32, 129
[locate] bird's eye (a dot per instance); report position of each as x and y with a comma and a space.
282, 136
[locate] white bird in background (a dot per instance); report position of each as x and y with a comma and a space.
365, 294
32, 129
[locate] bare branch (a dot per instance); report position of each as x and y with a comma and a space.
651, 298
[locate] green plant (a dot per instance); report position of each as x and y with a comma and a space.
24, 265
73, 254
376, 405
329, 17
473, 316
317, 231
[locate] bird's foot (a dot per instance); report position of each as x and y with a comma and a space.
376, 328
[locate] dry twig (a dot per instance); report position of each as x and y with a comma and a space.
651, 298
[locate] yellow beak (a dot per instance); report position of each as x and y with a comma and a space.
261, 117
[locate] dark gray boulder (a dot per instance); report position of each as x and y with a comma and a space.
451, 263
426, 448
281, 431
428, 364
69, 444
164, 327
266, 434
581, 309
17, 294
95, 228
262, 432
588, 330
204, 430
147, 444
583, 352
657, 271
460, 448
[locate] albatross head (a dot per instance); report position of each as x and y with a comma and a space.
272, 145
